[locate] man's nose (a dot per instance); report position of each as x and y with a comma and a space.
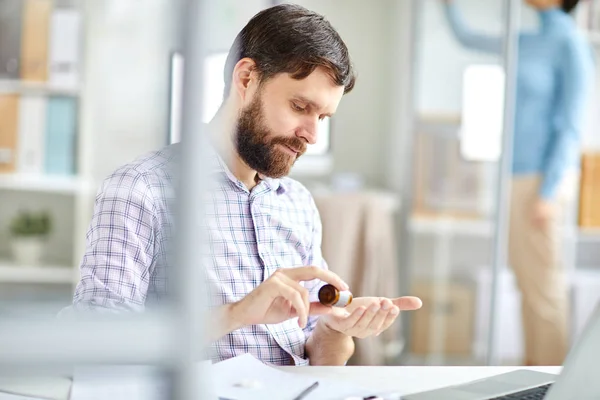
309, 132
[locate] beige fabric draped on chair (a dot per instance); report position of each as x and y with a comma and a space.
359, 244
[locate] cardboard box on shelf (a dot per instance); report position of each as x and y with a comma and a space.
445, 323
445, 183
589, 191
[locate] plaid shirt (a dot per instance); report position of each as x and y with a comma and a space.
252, 234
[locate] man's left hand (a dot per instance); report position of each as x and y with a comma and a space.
368, 316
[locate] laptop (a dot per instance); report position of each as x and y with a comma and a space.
579, 378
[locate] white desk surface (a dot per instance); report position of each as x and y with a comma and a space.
408, 380
401, 380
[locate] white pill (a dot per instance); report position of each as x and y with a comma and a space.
249, 384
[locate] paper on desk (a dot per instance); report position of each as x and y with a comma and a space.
24, 388
273, 383
137, 383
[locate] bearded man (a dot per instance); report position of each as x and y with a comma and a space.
287, 69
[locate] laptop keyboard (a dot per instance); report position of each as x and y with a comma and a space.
537, 393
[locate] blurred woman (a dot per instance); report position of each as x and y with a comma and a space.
554, 75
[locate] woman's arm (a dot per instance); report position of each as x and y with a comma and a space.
466, 36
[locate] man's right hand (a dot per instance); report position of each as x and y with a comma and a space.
282, 297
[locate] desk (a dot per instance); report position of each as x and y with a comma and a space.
408, 380
402, 380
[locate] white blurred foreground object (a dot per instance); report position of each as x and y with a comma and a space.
482, 113
29, 388
120, 383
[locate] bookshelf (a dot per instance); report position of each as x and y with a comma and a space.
10, 273
122, 97
38, 88
46, 169
68, 185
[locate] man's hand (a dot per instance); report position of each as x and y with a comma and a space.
282, 297
331, 342
543, 211
368, 316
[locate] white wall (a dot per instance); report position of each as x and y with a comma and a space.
228, 17
361, 124
441, 59
127, 79
127, 76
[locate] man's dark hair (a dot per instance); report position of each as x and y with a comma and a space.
288, 38
569, 5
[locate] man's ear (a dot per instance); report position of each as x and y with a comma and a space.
244, 77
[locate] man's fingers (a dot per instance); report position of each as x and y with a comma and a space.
303, 293
376, 324
311, 273
389, 320
293, 295
363, 324
408, 303
386, 307
348, 322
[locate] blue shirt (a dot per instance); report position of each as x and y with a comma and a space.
554, 75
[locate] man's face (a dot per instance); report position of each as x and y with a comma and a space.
280, 118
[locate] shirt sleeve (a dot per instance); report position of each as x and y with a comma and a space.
116, 266
576, 79
316, 259
469, 38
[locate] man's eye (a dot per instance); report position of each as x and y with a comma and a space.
296, 107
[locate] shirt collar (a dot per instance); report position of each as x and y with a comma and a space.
553, 17
218, 166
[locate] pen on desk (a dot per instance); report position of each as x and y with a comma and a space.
306, 391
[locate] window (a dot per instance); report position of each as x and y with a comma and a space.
482, 113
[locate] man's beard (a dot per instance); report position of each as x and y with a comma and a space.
258, 147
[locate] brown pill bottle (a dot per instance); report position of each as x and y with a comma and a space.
330, 296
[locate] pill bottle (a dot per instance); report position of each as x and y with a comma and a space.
329, 295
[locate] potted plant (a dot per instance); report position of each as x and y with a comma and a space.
29, 231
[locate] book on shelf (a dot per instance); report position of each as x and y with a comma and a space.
40, 41
38, 135
10, 38
65, 34
32, 125
61, 128
9, 115
34, 46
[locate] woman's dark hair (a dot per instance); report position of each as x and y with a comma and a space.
569, 5
288, 38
